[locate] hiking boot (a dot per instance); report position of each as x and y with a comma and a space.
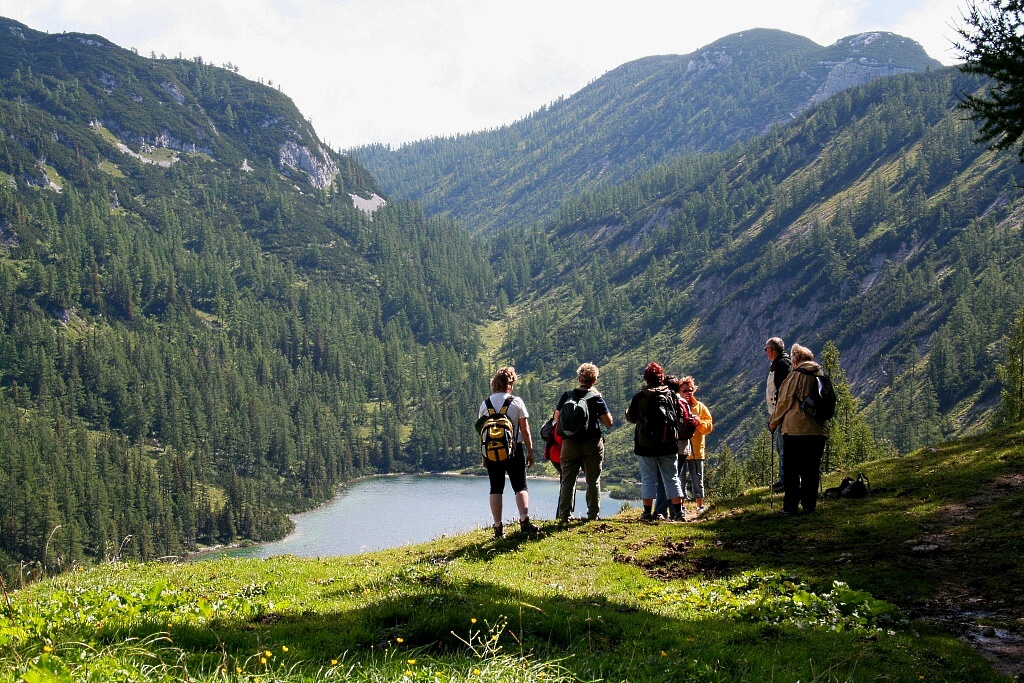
499, 531
681, 517
527, 527
646, 516
778, 486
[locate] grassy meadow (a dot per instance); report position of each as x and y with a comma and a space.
889, 588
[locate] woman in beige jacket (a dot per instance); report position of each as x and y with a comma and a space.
804, 437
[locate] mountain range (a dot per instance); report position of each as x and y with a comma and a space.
209, 319
630, 119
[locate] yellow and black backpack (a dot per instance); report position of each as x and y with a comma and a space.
497, 433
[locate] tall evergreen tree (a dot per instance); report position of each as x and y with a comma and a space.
1011, 373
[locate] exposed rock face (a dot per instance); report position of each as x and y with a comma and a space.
173, 91
850, 72
319, 166
709, 60
165, 139
368, 205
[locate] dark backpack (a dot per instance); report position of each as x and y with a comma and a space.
497, 433
687, 422
574, 415
851, 488
547, 431
659, 420
820, 403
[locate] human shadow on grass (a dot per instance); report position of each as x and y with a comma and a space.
462, 623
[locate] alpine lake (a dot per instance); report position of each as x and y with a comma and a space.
395, 510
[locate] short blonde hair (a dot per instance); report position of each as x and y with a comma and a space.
688, 381
503, 379
800, 354
587, 374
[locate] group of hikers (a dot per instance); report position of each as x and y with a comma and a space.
671, 425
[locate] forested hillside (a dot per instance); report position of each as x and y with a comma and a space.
873, 220
198, 330
631, 118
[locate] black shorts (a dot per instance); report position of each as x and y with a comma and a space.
514, 467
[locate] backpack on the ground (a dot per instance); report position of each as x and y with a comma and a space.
574, 415
850, 488
497, 433
820, 403
659, 421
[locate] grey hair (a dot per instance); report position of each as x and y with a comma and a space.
800, 354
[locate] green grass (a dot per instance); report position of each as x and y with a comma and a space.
866, 590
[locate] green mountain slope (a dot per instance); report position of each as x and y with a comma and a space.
872, 220
199, 332
631, 118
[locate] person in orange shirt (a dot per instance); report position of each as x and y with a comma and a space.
695, 460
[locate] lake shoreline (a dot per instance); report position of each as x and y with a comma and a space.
433, 504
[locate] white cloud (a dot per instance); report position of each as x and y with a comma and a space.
396, 70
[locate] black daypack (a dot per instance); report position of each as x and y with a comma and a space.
574, 415
497, 433
659, 421
820, 403
850, 488
547, 431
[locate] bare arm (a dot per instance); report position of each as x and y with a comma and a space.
524, 429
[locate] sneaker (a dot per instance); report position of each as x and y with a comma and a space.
778, 486
646, 516
701, 509
681, 517
499, 531
527, 527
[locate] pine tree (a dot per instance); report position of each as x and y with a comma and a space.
1011, 372
850, 439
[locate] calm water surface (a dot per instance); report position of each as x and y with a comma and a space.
387, 512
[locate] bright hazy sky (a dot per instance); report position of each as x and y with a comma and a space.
393, 71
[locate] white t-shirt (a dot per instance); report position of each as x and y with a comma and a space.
516, 410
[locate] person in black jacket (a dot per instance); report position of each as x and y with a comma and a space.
781, 366
654, 455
